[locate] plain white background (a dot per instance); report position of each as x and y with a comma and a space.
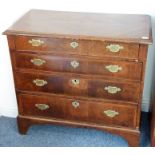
10, 11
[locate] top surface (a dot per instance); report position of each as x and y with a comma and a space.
114, 27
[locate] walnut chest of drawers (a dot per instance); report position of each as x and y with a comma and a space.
80, 69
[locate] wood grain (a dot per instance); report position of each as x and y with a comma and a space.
87, 87
85, 47
113, 27
93, 33
130, 70
87, 111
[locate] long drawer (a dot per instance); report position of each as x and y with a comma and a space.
77, 47
77, 85
111, 68
107, 113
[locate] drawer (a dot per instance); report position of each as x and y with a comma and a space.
77, 86
52, 106
58, 45
111, 68
115, 49
77, 46
105, 113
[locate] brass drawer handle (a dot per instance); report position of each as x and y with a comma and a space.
39, 82
75, 104
111, 113
42, 106
36, 42
114, 48
74, 44
112, 90
74, 64
113, 68
38, 62
75, 81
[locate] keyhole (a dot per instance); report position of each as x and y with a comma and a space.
75, 81
75, 104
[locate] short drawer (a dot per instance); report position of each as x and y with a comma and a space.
58, 45
104, 113
110, 68
115, 49
77, 86
77, 46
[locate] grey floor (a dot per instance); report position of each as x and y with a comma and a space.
62, 136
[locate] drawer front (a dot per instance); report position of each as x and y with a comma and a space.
112, 68
105, 113
113, 114
114, 49
73, 85
58, 45
52, 106
99, 49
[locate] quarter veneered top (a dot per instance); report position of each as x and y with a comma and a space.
113, 27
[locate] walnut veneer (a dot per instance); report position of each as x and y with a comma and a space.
80, 69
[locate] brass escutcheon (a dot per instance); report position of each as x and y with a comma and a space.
74, 64
113, 68
75, 104
42, 106
74, 44
75, 81
39, 82
114, 48
38, 62
36, 42
111, 113
112, 89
